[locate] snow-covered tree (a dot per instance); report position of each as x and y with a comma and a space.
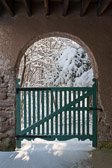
55, 61
69, 67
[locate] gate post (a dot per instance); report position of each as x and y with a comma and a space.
18, 114
94, 114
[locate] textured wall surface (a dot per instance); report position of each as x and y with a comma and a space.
7, 109
19, 32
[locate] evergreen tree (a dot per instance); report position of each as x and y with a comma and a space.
69, 65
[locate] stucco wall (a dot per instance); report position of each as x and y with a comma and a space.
16, 33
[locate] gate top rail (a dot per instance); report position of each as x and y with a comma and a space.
19, 88
54, 88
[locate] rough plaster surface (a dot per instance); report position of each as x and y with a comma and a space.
19, 32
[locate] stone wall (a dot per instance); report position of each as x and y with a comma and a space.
7, 109
103, 128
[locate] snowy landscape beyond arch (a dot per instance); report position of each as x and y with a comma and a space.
56, 61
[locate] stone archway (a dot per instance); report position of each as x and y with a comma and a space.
8, 115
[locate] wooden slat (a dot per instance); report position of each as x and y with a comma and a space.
56, 108
78, 114
83, 117
94, 115
42, 111
9, 5
88, 116
34, 110
85, 5
69, 114
60, 113
103, 5
74, 114
51, 112
25, 114
47, 109
65, 7
65, 102
38, 109
46, 6
28, 7
29, 109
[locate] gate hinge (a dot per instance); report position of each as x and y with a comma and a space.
99, 109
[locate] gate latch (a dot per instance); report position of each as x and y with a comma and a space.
99, 109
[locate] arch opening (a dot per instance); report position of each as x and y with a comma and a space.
64, 55
57, 61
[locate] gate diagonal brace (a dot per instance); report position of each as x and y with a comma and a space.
55, 113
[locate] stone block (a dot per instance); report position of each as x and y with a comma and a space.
3, 85
11, 94
11, 108
12, 121
4, 126
8, 144
11, 133
7, 114
7, 103
6, 78
3, 118
3, 136
4, 129
3, 90
1, 80
3, 96
11, 87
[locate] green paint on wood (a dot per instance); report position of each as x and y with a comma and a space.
46, 102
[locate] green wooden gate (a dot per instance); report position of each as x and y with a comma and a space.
56, 112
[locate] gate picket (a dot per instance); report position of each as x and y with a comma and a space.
61, 113
38, 109
47, 109
65, 102
56, 107
25, 112
42, 111
66, 115
51, 112
34, 110
78, 115
83, 116
87, 116
74, 114
69, 114
29, 108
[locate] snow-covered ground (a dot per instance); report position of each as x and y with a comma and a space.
48, 154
